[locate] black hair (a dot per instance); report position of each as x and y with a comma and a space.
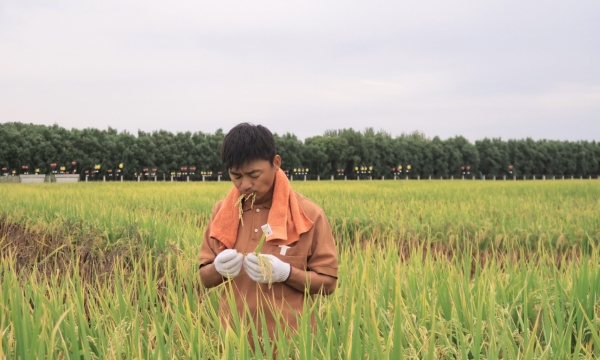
245, 143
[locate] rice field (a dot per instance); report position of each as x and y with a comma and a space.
428, 270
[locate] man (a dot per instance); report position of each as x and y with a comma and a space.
299, 244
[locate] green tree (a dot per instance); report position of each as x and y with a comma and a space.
494, 156
291, 151
440, 157
38, 146
315, 156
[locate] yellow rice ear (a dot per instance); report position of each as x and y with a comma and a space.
239, 204
266, 269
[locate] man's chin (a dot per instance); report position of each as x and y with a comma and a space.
259, 196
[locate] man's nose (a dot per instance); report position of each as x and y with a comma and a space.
246, 184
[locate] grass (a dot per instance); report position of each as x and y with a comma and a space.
428, 270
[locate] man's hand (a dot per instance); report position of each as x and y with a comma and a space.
281, 270
229, 263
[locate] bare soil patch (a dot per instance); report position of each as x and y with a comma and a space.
51, 254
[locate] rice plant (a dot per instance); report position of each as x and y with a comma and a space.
428, 270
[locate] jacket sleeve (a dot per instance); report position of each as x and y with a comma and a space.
323, 258
210, 247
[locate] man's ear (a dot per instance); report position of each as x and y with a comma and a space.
277, 162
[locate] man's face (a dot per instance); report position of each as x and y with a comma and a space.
256, 176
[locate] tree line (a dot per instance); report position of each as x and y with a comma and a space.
38, 146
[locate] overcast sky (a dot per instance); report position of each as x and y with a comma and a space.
509, 69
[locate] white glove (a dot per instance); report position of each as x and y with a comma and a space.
281, 270
229, 263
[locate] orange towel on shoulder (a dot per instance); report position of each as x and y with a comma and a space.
286, 218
